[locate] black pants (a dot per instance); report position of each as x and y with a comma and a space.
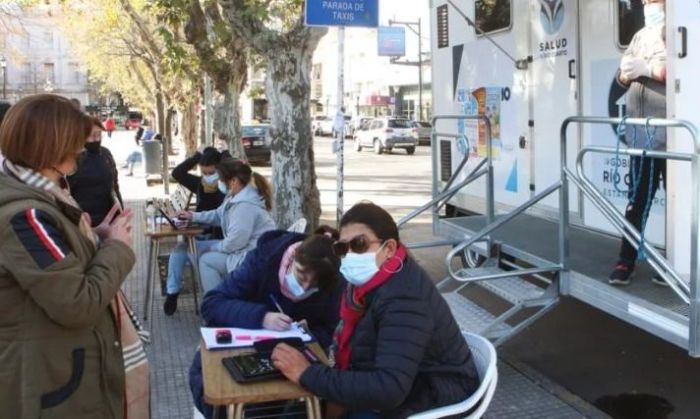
635, 209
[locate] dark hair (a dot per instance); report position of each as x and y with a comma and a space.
374, 217
210, 157
4, 107
96, 122
230, 169
316, 255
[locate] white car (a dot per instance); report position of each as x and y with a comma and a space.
386, 134
322, 125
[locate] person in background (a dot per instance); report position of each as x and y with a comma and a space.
110, 125
138, 135
398, 350
298, 272
95, 184
61, 339
643, 71
243, 217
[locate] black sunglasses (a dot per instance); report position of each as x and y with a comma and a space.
358, 244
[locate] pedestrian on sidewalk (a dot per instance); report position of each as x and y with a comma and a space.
110, 125
95, 184
62, 335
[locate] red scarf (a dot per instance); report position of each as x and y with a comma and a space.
354, 303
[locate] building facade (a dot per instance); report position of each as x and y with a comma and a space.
38, 56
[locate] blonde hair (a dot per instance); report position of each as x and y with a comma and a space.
41, 131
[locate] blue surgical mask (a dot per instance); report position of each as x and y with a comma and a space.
359, 268
654, 14
211, 178
295, 288
223, 188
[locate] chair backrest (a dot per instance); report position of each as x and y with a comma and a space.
180, 199
299, 226
485, 361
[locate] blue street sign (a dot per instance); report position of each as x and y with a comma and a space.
359, 13
391, 41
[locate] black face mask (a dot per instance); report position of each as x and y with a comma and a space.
93, 147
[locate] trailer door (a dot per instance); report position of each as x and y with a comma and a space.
554, 26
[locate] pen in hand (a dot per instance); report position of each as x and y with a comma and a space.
279, 321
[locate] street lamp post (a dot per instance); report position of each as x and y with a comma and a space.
3, 64
416, 28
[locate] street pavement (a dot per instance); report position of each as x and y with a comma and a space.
622, 369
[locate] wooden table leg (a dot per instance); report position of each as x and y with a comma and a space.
192, 244
149, 279
235, 411
317, 407
154, 277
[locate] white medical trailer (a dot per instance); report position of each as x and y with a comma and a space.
538, 213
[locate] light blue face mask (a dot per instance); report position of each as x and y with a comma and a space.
359, 268
654, 14
212, 178
223, 188
295, 288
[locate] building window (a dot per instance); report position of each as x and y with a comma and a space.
493, 15
48, 38
74, 73
443, 29
27, 73
49, 74
630, 19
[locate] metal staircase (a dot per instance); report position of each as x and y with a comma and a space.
527, 298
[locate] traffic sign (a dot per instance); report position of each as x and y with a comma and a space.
391, 41
358, 13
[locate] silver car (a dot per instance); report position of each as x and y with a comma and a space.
386, 134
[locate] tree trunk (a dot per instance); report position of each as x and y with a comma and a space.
160, 128
293, 169
227, 112
169, 129
188, 128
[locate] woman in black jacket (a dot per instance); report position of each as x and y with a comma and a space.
206, 186
398, 349
95, 184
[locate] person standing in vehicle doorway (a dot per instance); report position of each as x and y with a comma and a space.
643, 71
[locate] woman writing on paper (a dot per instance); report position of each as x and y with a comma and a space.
297, 272
397, 350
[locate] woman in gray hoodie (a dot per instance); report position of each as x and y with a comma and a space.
243, 217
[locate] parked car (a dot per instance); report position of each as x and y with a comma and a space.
322, 125
422, 130
356, 123
386, 134
133, 120
348, 119
256, 142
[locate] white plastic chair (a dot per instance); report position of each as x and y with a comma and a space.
299, 226
485, 359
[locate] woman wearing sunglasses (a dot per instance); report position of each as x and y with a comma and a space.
397, 349
289, 277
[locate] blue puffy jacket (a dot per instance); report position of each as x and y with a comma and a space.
243, 298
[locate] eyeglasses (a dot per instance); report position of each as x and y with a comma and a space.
358, 244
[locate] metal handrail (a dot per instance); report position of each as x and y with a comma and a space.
440, 198
489, 228
657, 262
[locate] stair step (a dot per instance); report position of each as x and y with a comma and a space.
471, 317
512, 289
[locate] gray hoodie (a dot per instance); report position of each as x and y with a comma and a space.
243, 219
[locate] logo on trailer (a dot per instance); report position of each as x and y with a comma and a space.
551, 15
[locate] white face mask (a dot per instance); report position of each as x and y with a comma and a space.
359, 268
654, 14
211, 178
223, 188
295, 288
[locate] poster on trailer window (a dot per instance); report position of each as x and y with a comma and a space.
481, 101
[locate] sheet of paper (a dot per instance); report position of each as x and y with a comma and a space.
247, 337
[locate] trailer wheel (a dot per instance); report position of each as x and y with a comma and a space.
410, 150
358, 146
472, 259
378, 147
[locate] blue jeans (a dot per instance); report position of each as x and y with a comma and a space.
178, 259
